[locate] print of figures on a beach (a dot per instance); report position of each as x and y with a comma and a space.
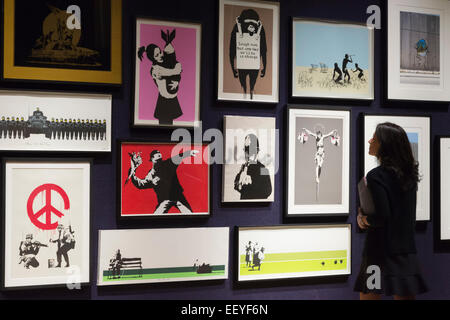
332, 60
167, 73
254, 256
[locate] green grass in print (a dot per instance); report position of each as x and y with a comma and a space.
162, 273
278, 263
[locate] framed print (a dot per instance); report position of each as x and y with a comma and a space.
167, 73
417, 46
332, 59
46, 222
249, 51
163, 180
290, 252
77, 41
54, 121
250, 153
418, 130
162, 255
444, 185
318, 162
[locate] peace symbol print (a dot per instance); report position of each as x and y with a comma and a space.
48, 210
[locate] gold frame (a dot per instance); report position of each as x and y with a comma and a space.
12, 72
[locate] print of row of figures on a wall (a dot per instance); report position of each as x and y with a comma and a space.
56, 129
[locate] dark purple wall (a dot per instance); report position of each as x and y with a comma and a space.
435, 260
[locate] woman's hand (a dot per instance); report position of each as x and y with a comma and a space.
362, 220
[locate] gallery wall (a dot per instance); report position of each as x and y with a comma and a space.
435, 258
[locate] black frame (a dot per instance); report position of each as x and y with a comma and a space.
291, 60
287, 280
247, 102
121, 217
3, 219
364, 140
314, 215
133, 72
74, 152
107, 86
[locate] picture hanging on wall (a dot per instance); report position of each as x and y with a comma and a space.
417, 46
444, 187
46, 222
290, 252
51, 121
162, 255
167, 73
318, 162
163, 180
77, 41
418, 130
250, 156
249, 51
332, 59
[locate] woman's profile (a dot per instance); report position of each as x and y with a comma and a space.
389, 263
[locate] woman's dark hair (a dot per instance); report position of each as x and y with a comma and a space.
149, 50
395, 154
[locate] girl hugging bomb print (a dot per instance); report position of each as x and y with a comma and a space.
166, 73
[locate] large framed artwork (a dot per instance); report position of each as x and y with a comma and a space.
444, 187
46, 222
418, 130
249, 51
290, 252
77, 41
167, 73
159, 179
332, 59
162, 255
250, 159
55, 121
417, 46
318, 161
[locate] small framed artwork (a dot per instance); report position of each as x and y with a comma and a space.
318, 162
249, 51
51, 121
418, 130
417, 46
332, 59
163, 180
162, 255
444, 185
46, 222
250, 153
167, 73
75, 42
292, 252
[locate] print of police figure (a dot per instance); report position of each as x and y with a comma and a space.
248, 49
253, 180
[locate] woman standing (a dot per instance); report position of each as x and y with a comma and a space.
390, 243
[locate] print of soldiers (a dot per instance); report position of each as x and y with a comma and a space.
23, 127
3, 128
9, 127
13, 128
103, 131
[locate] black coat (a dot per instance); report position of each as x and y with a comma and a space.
395, 211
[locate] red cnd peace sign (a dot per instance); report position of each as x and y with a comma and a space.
48, 209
